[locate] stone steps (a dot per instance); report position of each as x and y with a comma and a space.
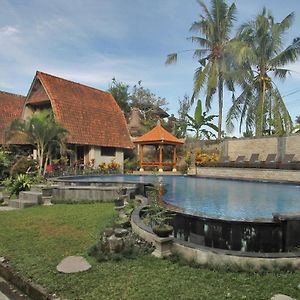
21, 203
27, 199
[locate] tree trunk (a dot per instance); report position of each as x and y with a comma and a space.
220, 90
45, 163
260, 112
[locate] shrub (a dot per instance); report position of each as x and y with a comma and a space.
16, 185
203, 158
131, 165
22, 165
4, 163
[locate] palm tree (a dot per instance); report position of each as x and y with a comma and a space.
259, 55
213, 53
42, 131
199, 120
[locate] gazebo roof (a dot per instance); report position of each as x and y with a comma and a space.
158, 135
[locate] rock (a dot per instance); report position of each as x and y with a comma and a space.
2, 259
73, 264
281, 297
116, 244
120, 232
108, 232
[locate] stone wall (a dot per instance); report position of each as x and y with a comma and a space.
264, 146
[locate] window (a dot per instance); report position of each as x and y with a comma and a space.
108, 151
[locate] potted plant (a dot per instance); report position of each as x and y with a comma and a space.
160, 220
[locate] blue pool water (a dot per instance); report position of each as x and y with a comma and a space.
226, 199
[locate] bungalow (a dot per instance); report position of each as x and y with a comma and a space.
97, 127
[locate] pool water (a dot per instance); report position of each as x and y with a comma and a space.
221, 198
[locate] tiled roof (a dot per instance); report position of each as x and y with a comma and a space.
91, 116
11, 107
158, 135
37, 95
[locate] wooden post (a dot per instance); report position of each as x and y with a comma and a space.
160, 159
174, 159
141, 158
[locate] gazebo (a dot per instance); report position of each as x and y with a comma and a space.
157, 137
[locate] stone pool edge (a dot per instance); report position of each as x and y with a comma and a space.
217, 257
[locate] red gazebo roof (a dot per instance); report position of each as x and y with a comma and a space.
158, 135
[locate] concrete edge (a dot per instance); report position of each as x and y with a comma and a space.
217, 257
33, 290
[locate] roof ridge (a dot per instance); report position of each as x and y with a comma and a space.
13, 94
71, 81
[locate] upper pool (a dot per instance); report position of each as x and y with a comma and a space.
221, 198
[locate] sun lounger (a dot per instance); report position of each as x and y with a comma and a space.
287, 161
253, 162
270, 162
239, 160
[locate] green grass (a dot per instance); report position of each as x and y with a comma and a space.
36, 239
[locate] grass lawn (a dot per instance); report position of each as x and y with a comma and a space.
36, 239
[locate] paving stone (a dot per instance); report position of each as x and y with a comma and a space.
281, 297
73, 264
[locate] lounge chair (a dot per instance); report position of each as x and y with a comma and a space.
253, 162
287, 161
270, 162
238, 162
223, 162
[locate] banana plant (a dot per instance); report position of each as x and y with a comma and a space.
201, 120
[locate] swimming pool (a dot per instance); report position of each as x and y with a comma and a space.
220, 198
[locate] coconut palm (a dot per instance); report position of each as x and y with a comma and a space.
42, 131
213, 53
200, 120
260, 55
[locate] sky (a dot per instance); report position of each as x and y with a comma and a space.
93, 41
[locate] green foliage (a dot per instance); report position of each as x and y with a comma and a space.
42, 131
23, 165
56, 232
184, 108
214, 54
131, 165
120, 92
200, 120
154, 213
134, 247
259, 57
5, 161
14, 186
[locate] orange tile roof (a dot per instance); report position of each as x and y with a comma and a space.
11, 108
37, 95
91, 116
158, 135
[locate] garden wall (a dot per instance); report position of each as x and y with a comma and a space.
264, 146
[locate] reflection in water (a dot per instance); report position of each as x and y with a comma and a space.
238, 200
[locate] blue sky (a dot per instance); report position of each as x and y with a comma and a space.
92, 41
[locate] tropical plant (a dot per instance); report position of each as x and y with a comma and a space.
14, 186
260, 54
4, 162
213, 53
43, 132
201, 120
